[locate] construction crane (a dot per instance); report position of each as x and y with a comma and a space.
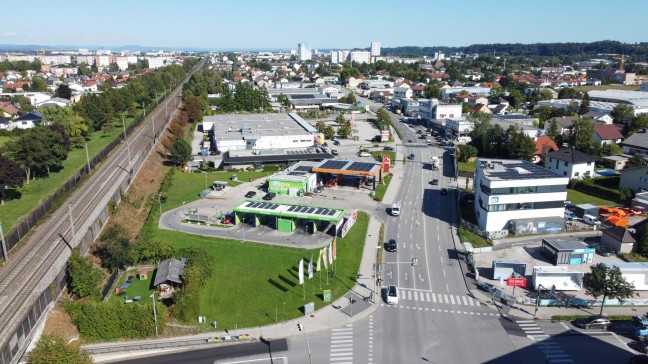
621, 59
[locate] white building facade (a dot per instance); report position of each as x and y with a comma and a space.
375, 49
510, 190
360, 56
303, 53
570, 163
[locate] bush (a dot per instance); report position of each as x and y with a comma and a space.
195, 275
597, 187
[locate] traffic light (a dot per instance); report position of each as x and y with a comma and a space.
300, 327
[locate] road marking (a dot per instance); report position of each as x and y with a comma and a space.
452, 301
427, 297
564, 325
415, 295
465, 302
445, 299
433, 297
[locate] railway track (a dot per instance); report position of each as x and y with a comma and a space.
44, 254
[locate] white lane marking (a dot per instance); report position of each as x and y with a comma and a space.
464, 300
452, 301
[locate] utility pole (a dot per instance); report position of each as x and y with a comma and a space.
154, 314
71, 222
5, 253
125, 141
87, 157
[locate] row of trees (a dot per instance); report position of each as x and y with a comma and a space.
496, 142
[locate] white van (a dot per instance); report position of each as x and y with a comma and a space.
395, 210
591, 220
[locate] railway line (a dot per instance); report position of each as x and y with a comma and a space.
35, 265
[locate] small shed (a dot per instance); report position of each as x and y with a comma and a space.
169, 273
142, 274
619, 239
507, 268
586, 209
567, 252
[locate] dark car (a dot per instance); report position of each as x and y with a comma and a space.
336, 142
269, 196
593, 322
434, 182
334, 151
444, 191
411, 156
639, 359
250, 194
318, 189
604, 251
409, 140
391, 245
389, 147
641, 346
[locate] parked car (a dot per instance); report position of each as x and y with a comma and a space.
389, 147
570, 216
444, 191
269, 196
409, 140
226, 220
334, 151
392, 295
410, 157
336, 142
641, 346
318, 189
250, 194
591, 220
593, 322
603, 251
434, 182
391, 245
365, 154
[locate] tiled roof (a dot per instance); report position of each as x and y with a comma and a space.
571, 155
544, 144
607, 132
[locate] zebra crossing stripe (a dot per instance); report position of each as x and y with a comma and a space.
415, 295
452, 299
433, 297
445, 298
427, 296
440, 297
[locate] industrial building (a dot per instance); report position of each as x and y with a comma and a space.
294, 181
518, 196
567, 252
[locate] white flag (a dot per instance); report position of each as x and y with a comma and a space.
324, 260
330, 254
310, 267
301, 271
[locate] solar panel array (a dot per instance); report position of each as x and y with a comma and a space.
297, 173
312, 210
361, 166
262, 205
303, 169
330, 164
533, 170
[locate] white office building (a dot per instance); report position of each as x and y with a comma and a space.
360, 56
518, 196
303, 53
375, 49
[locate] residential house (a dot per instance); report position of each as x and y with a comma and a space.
481, 108
8, 109
543, 145
636, 144
56, 101
616, 162
600, 117
619, 239
564, 123
4, 122
37, 97
607, 134
418, 90
635, 179
169, 274
27, 121
571, 163
403, 91
476, 100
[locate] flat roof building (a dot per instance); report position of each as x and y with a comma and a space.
519, 194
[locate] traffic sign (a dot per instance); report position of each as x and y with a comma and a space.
516, 282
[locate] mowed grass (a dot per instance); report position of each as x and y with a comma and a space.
4, 140
142, 288
577, 198
32, 194
467, 166
251, 283
381, 188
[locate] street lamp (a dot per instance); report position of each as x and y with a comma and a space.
154, 313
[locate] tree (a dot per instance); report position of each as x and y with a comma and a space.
329, 132
74, 125
30, 151
638, 123
606, 282
584, 106
582, 135
10, 176
622, 113
340, 119
611, 149
54, 349
643, 243
152, 251
466, 152
85, 278
114, 248
193, 107
320, 126
64, 92
521, 146
635, 161
38, 84
344, 131
284, 101
180, 152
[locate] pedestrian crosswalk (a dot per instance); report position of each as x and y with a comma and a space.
545, 343
438, 298
342, 345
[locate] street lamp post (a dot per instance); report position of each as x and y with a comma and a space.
154, 314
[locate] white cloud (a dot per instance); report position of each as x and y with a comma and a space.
9, 34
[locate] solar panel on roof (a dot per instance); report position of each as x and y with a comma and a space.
302, 209
254, 205
291, 208
274, 207
324, 212
318, 211
331, 213
310, 210
304, 168
361, 166
249, 204
333, 164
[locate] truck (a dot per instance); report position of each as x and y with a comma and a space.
435, 163
639, 326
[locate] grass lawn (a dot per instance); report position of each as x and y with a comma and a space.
37, 190
467, 166
477, 241
186, 187
607, 87
137, 287
577, 198
4, 140
252, 283
381, 188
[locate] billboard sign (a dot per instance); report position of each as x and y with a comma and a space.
386, 162
516, 282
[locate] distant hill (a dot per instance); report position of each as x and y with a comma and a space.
638, 50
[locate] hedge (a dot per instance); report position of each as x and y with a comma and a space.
106, 321
594, 186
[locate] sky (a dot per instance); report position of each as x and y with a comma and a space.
330, 24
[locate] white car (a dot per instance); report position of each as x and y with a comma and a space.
392, 295
365, 154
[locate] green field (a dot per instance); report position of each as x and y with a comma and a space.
577, 198
378, 155
253, 283
467, 166
381, 188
